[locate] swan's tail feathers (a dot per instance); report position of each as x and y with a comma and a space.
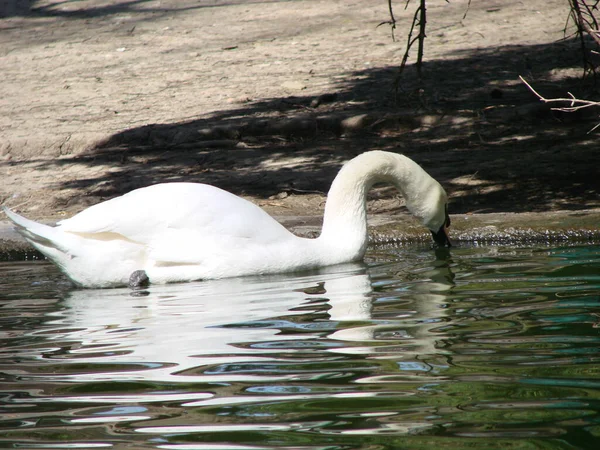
43, 237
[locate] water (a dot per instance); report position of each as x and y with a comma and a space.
487, 348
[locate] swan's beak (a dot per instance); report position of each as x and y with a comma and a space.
441, 237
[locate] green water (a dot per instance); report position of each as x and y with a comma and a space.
478, 348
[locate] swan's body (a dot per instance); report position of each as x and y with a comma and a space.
189, 231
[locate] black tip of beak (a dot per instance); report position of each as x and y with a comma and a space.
441, 238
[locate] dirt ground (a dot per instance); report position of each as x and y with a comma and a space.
267, 98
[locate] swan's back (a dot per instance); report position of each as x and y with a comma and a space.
142, 214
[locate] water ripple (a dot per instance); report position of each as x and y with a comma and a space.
488, 347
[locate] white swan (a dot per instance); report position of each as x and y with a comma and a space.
187, 231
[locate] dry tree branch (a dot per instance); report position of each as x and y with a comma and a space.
575, 104
590, 23
466, 10
422, 12
583, 16
420, 21
392, 21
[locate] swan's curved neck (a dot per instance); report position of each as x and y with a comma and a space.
345, 219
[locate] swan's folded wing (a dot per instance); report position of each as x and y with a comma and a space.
145, 214
190, 247
198, 256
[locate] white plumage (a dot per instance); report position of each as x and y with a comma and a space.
190, 231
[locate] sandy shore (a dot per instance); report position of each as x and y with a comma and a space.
268, 99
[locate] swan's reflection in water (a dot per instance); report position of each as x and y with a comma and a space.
230, 347
413, 329
170, 330
336, 357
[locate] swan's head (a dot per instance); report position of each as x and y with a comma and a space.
440, 236
433, 212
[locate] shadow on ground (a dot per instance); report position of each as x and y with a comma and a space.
73, 9
470, 122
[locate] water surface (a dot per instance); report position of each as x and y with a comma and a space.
489, 347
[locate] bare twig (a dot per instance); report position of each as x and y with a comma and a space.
574, 103
420, 21
466, 10
590, 24
422, 12
392, 21
583, 15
